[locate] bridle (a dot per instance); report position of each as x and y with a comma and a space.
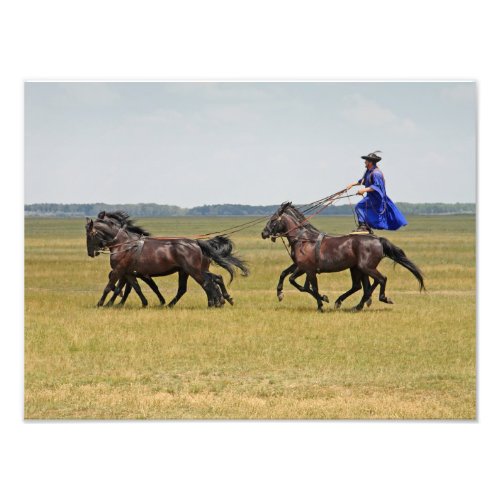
103, 246
288, 231
296, 238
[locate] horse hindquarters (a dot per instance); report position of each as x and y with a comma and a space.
195, 264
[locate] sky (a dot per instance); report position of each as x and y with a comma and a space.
192, 144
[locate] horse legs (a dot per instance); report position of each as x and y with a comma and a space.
117, 290
379, 279
383, 284
356, 277
367, 293
112, 279
133, 282
307, 285
149, 281
215, 288
128, 287
367, 284
206, 282
181, 289
217, 278
283, 275
126, 293
213, 292
311, 276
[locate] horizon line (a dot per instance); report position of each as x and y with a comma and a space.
225, 203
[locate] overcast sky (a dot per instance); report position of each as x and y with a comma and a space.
191, 144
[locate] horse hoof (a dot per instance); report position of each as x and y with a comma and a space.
368, 302
338, 304
320, 310
280, 296
387, 300
324, 298
230, 300
356, 309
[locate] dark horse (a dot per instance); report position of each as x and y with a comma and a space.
314, 252
121, 218
135, 255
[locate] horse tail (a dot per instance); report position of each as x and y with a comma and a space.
220, 249
398, 256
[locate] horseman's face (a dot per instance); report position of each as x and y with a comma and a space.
369, 165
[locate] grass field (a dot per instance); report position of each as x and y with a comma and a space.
261, 358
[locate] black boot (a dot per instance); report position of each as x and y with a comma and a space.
362, 228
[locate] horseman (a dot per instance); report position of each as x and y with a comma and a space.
376, 210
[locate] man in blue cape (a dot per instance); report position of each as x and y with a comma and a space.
376, 210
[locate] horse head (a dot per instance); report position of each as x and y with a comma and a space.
275, 225
99, 234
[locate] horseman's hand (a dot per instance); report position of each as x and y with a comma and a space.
361, 192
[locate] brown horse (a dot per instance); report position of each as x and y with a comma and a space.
120, 218
133, 255
314, 252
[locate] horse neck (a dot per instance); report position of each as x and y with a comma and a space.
121, 236
294, 227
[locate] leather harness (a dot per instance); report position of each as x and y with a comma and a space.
317, 245
317, 249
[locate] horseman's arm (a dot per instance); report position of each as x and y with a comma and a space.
352, 184
361, 192
377, 185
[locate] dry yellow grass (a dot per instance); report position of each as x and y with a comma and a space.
261, 358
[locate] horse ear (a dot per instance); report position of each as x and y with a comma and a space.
88, 219
91, 224
284, 206
101, 215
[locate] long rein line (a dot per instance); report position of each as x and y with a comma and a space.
331, 202
251, 223
322, 204
322, 207
246, 225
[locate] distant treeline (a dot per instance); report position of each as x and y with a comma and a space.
155, 210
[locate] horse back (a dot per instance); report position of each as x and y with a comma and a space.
338, 253
162, 256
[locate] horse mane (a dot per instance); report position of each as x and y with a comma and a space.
123, 219
304, 222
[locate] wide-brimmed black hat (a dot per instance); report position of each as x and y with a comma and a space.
373, 157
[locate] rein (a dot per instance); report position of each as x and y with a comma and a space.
318, 206
246, 225
132, 244
323, 206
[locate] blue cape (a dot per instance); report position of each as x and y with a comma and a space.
377, 209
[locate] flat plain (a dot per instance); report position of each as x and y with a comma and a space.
260, 359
